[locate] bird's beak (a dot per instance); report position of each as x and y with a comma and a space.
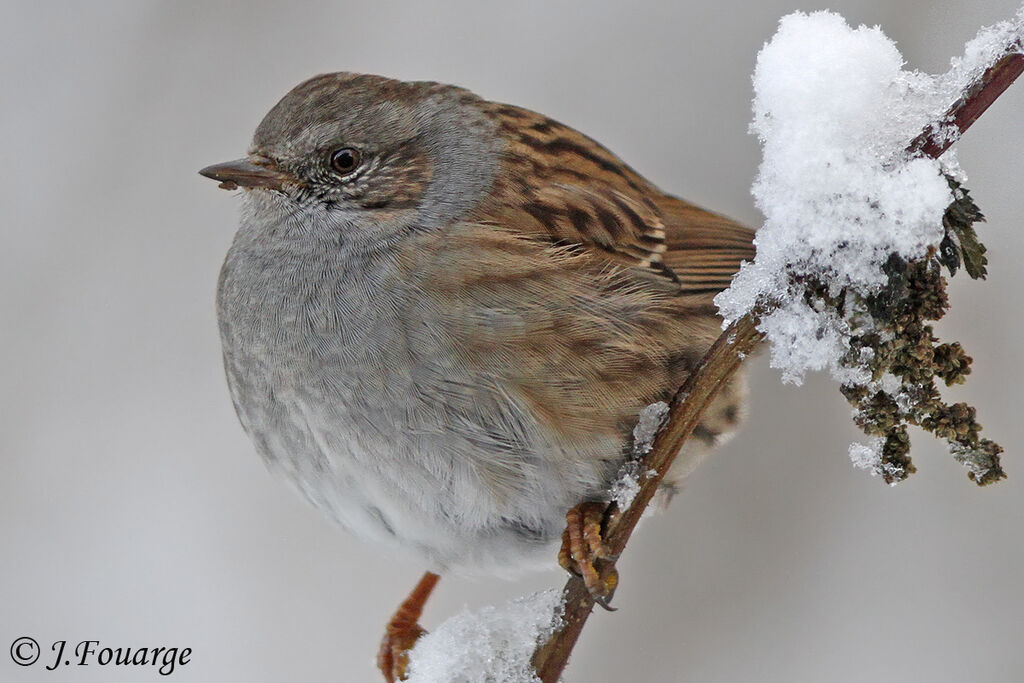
248, 172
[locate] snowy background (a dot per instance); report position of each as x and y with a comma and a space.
134, 511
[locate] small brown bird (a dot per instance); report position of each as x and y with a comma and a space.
441, 315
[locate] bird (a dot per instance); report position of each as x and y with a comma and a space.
441, 315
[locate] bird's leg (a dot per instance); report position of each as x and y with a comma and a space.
585, 554
402, 631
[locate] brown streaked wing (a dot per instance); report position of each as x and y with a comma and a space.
558, 185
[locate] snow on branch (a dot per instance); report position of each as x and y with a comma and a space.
489, 644
860, 217
859, 225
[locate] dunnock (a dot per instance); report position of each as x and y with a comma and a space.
441, 315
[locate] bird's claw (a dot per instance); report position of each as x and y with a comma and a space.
585, 553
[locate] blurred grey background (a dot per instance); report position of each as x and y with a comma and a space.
134, 511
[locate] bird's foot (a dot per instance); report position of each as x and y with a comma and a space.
403, 631
585, 553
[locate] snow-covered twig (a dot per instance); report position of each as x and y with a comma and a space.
990, 64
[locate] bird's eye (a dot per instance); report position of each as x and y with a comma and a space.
345, 160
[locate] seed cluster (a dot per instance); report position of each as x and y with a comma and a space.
894, 342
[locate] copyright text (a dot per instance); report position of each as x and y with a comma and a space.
25, 651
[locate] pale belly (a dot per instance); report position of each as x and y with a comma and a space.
395, 475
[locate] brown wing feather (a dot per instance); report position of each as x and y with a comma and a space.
558, 185
704, 249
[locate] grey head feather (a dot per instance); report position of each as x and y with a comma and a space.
428, 152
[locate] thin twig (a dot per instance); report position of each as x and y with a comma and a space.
722, 360
688, 405
972, 104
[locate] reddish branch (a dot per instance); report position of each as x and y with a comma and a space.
972, 104
719, 364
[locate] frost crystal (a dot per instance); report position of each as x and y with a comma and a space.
489, 645
649, 422
627, 483
867, 456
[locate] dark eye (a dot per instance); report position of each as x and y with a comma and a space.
345, 160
